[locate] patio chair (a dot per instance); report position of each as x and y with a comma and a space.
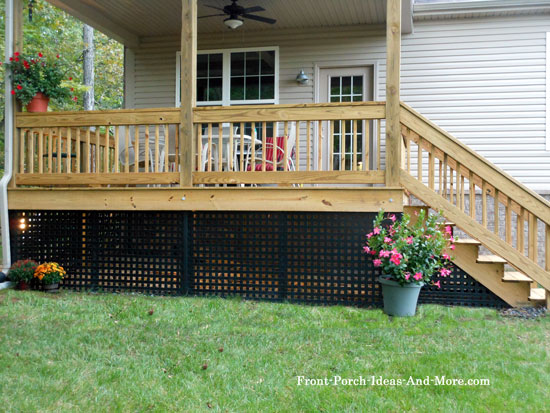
141, 157
279, 148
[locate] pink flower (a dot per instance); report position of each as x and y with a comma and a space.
376, 231
446, 257
388, 240
449, 230
409, 240
392, 217
377, 262
395, 259
444, 272
437, 284
452, 247
407, 275
366, 249
373, 252
452, 239
369, 235
384, 254
418, 276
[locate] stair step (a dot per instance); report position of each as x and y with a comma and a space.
490, 259
537, 294
467, 241
514, 276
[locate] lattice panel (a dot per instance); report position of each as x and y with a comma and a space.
279, 256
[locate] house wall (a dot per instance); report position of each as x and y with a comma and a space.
483, 80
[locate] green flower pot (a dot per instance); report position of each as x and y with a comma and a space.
399, 301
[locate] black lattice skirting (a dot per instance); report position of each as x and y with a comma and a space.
279, 256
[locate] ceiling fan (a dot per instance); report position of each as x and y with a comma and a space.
235, 12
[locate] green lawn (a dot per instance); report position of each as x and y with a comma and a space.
84, 352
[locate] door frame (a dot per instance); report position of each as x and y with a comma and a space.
318, 66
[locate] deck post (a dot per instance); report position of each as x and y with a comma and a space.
188, 86
393, 63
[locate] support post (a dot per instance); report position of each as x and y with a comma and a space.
188, 89
13, 43
393, 63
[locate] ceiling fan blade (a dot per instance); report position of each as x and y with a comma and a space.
259, 18
212, 15
253, 9
214, 7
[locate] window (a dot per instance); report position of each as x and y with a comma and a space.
235, 77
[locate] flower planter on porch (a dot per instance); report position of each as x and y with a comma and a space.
39, 103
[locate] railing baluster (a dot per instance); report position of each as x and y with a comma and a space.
97, 149
136, 149
200, 163
264, 143
451, 185
157, 148
31, 150
275, 146
177, 144
41, 151
59, 149
419, 159
355, 151
220, 146
230, 149
147, 148
547, 253
69, 141
297, 145
497, 211
521, 230
77, 164
445, 164
22, 151
115, 155
308, 144
106, 150
285, 139
440, 177
343, 145
167, 148
331, 146
533, 237
379, 143
209, 151
484, 203
472, 196
320, 145
253, 147
508, 221
127, 148
431, 168
88, 151
241, 160
366, 146
459, 188
463, 190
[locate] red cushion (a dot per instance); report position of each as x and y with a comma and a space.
258, 167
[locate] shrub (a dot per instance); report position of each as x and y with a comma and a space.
22, 270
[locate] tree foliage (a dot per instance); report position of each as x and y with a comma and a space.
53, 32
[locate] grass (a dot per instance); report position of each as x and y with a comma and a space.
95, 352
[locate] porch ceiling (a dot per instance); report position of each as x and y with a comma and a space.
128, 20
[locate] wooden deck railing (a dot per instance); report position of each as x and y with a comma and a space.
335, 143
122, 147
440, 170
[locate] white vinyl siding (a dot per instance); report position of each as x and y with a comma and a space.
483, 80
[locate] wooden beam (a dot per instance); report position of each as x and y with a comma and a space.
121, 117
123, 178
208, 199
188, 88
299, 112
290, 177
393, 109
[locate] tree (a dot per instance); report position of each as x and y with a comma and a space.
88, 67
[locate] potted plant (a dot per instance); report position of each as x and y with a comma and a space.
50, 275
409, 255
37, 79
22, 272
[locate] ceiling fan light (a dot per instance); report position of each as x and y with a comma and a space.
233, 22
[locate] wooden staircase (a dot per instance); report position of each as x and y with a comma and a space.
513, 287
443, 173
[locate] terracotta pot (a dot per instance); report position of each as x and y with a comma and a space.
39, 103
22, 285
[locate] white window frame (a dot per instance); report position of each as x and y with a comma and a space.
226, 82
